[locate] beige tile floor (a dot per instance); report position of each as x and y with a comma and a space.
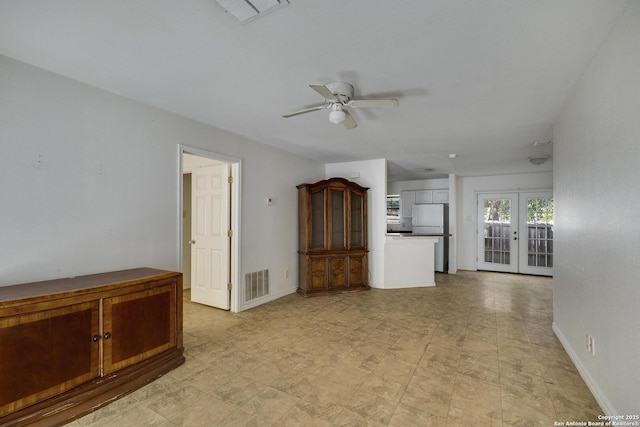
478, 349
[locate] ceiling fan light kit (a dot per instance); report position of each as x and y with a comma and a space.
337, 116
538, 160
338, 95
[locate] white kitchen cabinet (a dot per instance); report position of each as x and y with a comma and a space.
424, 196
440, 196
407, 200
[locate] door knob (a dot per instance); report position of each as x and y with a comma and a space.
192, 242
107, 335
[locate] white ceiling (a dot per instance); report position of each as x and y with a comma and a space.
483, 79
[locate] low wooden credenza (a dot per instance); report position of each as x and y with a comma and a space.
70, 346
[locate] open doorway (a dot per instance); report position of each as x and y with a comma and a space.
209, 227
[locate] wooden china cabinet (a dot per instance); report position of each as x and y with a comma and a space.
70, 346
332, 236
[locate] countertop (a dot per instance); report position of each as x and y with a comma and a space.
417, 235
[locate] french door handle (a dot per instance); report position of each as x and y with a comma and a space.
192, 242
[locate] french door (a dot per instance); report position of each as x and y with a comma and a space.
498, 232
515, 232
536, 233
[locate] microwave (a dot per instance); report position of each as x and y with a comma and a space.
393, 209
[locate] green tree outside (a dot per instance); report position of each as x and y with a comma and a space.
538, 211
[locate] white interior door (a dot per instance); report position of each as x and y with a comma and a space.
536, 233
209, 238
498, 232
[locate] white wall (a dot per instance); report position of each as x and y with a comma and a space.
453, 223
398, 187
89, 183
467, 197
597, 233
372, 174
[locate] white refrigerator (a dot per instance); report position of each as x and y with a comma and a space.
434, 219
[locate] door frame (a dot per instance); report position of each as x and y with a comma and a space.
236, 197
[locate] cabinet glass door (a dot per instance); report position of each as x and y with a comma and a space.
337, 219
357, 221
317, 219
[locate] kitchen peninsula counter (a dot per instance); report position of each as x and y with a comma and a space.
409, 260
417, 235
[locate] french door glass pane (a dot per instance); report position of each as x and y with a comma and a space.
540, 232
497, 231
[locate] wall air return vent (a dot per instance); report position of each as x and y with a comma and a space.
256, 285
247, 10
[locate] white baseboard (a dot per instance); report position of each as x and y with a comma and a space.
408, 285
605, 404
267, 298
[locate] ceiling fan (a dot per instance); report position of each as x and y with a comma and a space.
338, 95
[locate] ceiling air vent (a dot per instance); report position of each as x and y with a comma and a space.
247, 10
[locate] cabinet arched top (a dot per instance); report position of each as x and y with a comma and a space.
335, 183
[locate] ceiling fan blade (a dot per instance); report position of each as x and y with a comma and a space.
324, 92
349, 122
306, 110
373, 103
